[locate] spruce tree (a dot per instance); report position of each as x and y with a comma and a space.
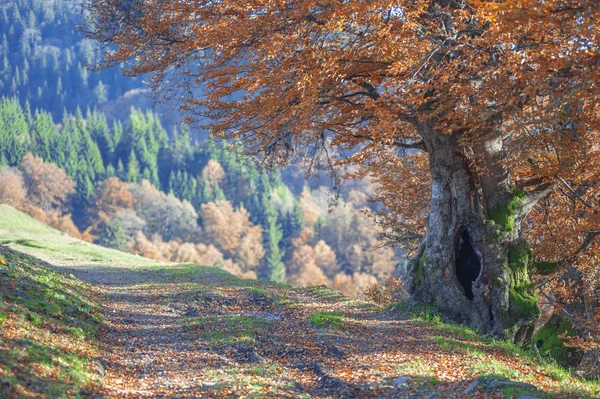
274, 269
121, 174
218, 194
43, 135
133, 168
15, 132
112, 236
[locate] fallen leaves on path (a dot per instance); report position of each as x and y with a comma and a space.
199, 332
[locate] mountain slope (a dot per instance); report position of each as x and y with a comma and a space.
194, 331
42, 57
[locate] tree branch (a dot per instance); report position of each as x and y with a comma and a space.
589, 239
574, 192
418, 145
534, 196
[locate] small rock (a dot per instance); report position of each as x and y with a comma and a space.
98, 367
528, 397
401, 381
261, 315
332, 383
589, 366
472, 386
247, 354
336, 352
208, 384
191, 313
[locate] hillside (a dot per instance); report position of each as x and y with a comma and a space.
132, 187
148, 329
98, 128
43, 56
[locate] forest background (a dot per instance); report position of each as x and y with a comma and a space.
85, 153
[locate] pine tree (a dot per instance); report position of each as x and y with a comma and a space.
121, 171
96, 169
100, 133
110, 171
112, 236
274, 269
133, 168
43, 135
101, 92
218, 194
294, 221
15, 143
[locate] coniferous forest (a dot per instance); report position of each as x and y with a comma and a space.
134, 183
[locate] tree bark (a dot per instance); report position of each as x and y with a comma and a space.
473, 263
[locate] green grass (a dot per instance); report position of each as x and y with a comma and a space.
259, 292
262, 380
331, 320
229, 330
26, 234
483, 352
49, 327
324, 292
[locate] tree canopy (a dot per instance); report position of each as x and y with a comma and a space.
308, 75
491, 107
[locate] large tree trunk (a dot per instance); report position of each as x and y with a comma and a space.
473, 264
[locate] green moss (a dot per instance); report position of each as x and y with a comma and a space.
259, 292
420, 269
548, 341
523, 296
504, 215
327, 319
546, 267
229, 330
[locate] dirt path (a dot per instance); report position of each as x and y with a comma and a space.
182, 331
192, 333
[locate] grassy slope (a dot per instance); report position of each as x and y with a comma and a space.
319, 343
48, 320
25, 234
47, 330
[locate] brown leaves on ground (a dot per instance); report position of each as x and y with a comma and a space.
191, 331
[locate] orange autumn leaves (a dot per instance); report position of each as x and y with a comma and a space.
373, 83
313, 79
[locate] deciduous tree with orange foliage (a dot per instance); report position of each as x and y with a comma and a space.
495, 102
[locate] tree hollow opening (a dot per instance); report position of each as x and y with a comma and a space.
468, 264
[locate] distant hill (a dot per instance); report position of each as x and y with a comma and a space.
23, 233
52, 107
43, 56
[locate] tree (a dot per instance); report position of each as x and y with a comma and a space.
232, 233
48, 186
13, 131
12, 188
111, 236
164, 214
274, 267
110, 197
101, 92
495, 102
133, 168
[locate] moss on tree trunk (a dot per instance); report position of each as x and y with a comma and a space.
473, 264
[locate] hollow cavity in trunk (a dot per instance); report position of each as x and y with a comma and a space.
468, 264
